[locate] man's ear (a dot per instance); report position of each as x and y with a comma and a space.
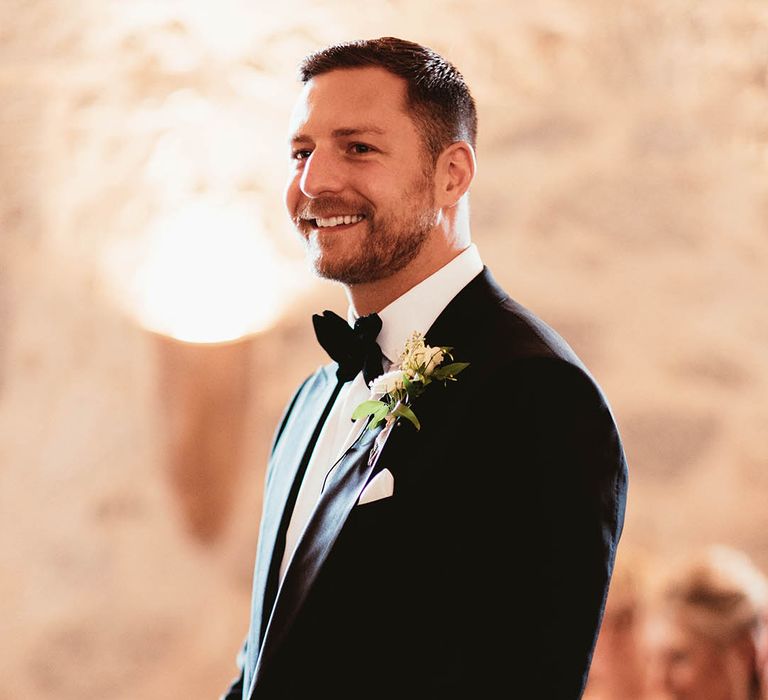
454, 171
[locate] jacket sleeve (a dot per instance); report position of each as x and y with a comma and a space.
549, 489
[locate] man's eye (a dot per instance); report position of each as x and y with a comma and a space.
301, 154
361, 148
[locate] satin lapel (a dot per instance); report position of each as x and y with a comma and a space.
316, 542
284, 466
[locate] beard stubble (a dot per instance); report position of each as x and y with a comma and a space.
389, 244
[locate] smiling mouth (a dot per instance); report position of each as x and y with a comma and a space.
335, 221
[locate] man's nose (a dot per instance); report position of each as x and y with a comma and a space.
321, 174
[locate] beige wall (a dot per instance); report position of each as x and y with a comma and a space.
621, 195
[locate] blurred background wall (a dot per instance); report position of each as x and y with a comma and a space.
621, 194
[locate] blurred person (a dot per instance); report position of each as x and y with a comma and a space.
459, 537
708, 629
619, 664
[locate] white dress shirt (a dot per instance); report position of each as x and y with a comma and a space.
416, 310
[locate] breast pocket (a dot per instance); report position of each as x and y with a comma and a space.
380, 487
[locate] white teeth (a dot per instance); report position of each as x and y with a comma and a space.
338, 220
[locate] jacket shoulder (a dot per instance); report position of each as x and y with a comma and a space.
485, 323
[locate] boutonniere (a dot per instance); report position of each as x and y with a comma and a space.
418, 366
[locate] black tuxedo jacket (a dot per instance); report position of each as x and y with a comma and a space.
485, 574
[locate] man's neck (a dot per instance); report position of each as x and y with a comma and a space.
447, 240
372, 297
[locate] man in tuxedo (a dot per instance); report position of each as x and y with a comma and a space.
469, 558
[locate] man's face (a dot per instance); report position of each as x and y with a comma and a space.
360, 190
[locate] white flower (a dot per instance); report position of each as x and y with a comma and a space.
431, 359
420, 360
388, 383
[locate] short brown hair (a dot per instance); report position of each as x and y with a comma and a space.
438, 97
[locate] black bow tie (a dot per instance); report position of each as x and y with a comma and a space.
353, 348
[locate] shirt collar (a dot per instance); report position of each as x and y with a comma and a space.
417, 309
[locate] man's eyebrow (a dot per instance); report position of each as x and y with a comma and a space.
357, 131
342, 132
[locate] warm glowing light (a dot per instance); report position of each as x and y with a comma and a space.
206, 275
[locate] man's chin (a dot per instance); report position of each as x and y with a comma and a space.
347, 272
328, 261
337, 273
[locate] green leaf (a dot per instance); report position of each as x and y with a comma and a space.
373, 424
368, 408
378, 415
405, 412
453, 369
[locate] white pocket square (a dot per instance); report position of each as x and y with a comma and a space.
381, 486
